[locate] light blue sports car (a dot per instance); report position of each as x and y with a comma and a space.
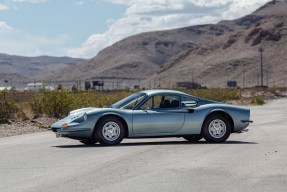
154, 113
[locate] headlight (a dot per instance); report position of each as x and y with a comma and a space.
80, 119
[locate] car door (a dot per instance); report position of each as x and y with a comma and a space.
160, 114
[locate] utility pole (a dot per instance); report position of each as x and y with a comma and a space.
117, 80
261, 50
243, 75
192, 77
267, 73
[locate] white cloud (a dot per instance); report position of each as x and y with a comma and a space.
240, 8
29, 1
125, 2
79, 3
4, 27
3, 7
19, 42
150, 15
214, 3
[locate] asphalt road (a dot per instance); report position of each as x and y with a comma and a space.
253, 161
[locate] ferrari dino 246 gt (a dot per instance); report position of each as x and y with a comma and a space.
154, 113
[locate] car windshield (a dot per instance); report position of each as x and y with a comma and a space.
130, 101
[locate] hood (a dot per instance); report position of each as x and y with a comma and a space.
83, 110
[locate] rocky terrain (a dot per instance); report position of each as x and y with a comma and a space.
208, 54
15, 127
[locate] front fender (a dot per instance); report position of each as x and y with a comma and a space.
127, 118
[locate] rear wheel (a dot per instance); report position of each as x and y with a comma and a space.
193, 138
216, 129
110, 131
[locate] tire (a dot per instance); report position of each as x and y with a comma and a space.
110, 131
216, 129
193, 138
90, 141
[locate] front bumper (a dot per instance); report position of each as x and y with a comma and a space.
72, 132
246, 121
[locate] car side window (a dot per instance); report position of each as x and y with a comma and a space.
147, 105
161, 102
188, 101
133, 103
167, 101
157, 101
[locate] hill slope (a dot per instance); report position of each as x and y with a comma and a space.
142, 55
235, 56
19, 68
209, 54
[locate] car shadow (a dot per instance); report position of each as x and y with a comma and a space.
158, 143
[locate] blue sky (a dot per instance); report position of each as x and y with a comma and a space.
81, 28
66, 17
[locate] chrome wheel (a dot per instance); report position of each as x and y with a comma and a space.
111, 131
217, 128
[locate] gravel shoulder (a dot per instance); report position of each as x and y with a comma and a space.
24, 127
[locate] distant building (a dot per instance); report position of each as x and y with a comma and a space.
98, 85
136, 87
94, 85
189, 85
38, 86
5, 88
231, 84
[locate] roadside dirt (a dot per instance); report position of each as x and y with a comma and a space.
16, 127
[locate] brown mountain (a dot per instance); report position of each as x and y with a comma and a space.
140, 56
208, 54
235, 56
19, 69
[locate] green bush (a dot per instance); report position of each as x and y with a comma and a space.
57, 103
257, 101
7, 109
36, 104
216, 94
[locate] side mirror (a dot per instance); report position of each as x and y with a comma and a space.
189, 104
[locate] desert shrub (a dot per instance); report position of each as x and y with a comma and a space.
88, 99
216, 94
7, 109
36, 104
57, 103
25, 111
257, 101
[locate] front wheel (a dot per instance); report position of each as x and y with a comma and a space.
216, 129
110, 131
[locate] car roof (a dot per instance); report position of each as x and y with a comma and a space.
163, 91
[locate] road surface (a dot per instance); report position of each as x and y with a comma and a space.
253, 161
